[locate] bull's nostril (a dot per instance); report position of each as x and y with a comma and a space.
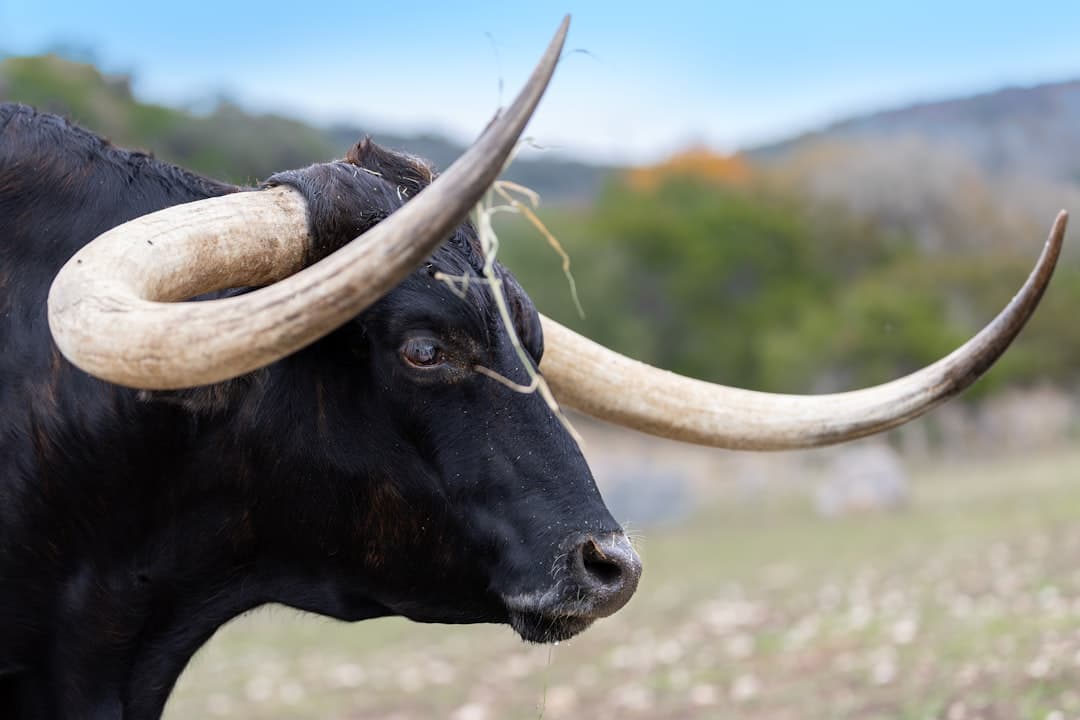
598, 566
604, 572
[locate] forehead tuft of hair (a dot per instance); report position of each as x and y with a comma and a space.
408, 175
408, 172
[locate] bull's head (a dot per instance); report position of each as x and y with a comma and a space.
442, 462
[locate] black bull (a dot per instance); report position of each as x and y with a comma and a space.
371, 474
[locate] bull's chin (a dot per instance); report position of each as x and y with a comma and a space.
538, 627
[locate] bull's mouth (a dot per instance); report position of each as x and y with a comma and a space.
551, 616
541, 627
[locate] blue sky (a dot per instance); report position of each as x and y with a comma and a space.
656, 76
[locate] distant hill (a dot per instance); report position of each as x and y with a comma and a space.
961, 175
233, 144
1031, 131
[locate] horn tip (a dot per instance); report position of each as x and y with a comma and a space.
559, 39
1057, 231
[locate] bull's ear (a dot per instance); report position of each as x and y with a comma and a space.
523, 313
407, 173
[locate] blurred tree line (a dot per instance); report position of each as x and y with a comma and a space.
705, 265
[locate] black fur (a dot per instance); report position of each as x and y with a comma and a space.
339, 480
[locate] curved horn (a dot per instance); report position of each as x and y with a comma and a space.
110, 307
602, 383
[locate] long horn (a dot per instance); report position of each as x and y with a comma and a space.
602, 383
111, 308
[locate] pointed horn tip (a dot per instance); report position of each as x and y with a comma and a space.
559, 39
1060, 223
1055, 240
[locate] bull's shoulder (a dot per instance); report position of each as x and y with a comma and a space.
36, 147
61, 186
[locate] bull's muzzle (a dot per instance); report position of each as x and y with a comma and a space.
593, 576
606, 569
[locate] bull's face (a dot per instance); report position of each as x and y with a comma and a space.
472, 502
468, 500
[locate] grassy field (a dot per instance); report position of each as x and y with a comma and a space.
966, 605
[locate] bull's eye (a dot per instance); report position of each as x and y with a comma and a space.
422, 352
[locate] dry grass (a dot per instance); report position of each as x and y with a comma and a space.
483, 216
